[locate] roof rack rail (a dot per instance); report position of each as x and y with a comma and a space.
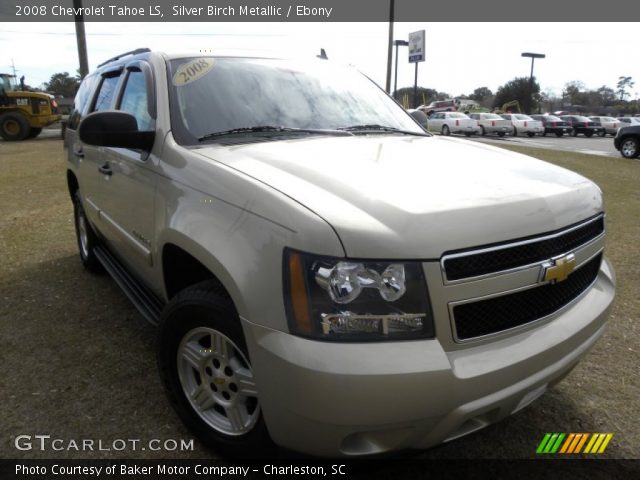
132, 52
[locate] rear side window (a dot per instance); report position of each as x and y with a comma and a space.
107, 91
135, 100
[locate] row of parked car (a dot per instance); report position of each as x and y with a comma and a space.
515, 124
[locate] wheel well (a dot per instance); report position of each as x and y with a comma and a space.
72, 183
181, 270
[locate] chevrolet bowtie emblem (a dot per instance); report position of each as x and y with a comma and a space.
558, 269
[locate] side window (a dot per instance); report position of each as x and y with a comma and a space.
81, 100
106, 93
135, 101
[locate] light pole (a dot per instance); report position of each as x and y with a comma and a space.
397, 43
533, 57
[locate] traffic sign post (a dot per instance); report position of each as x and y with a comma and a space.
416, 54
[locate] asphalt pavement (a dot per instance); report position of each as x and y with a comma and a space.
594, 145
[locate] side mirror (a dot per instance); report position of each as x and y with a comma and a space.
420, 117
114, 128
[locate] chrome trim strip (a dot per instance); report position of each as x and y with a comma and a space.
446, 281
451, 305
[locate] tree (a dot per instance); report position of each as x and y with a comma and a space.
518, 89
607, 95
623, 84
573, 93
404, 96
63, 84
480, 93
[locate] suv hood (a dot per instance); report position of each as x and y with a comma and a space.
392, 196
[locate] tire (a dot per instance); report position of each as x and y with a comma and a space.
467, 134
204, 364
574, 133
531, 134
544, 134
630, 147
515, 132
501, 134
483, 132
445, 131
588, 134
559, 134
34, 132
602, 133
13, 127
86, 238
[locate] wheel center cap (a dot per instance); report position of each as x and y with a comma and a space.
219, 381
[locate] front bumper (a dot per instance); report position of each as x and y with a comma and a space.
344, 399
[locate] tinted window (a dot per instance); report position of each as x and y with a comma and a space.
82, 99
106, 93
135, 101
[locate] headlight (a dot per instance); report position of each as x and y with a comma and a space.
347, 300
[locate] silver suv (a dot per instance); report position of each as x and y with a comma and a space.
325, 275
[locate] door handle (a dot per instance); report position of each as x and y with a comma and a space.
78, 153
105, 169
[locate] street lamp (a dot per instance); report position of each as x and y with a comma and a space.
533, 57
398, 43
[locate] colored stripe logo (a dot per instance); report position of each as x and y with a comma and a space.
574, 443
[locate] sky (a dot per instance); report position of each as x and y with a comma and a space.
459, 56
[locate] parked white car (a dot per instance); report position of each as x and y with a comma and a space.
492, 123
524, 124
452, 122
610, 125
629, 121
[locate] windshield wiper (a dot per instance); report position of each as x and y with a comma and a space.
272, 129
380, 128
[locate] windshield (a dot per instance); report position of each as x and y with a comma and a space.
5, 83
523, 117
211, 95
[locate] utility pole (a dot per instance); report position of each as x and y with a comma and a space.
390, 44
13, 67
81, 39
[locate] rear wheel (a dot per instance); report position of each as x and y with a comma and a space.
544, 134
501, 134
205, 366
14, 127
630, 147
86, 238
445, 130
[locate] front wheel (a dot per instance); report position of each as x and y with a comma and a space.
630, 147
205, 365
34, 132
14, 127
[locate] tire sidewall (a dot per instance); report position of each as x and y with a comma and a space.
182, 315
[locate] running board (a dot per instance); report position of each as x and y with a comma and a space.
147, 303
